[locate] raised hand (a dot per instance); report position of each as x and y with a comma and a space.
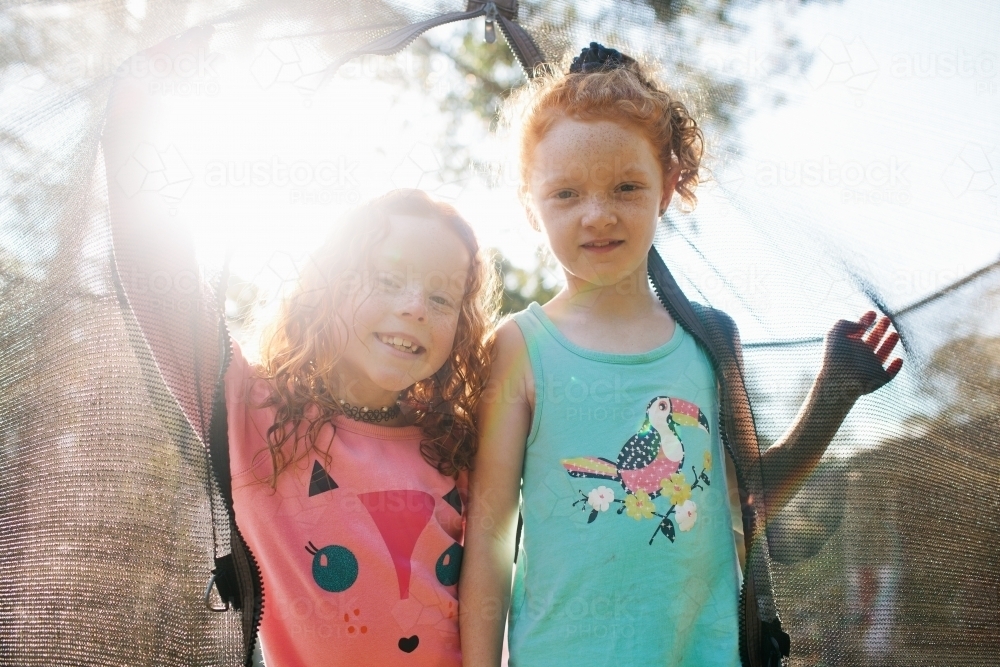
176, 59
146, 173
152, 242
852, 367
853, 361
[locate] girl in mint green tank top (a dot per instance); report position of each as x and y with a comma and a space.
628, 548
601, 422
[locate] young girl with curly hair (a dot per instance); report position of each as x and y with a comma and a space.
342, 453
350, 441
616, 416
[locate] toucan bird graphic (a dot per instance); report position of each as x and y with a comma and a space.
651, 455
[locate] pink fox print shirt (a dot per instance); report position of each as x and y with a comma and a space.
359, 556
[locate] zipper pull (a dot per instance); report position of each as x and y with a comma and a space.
491, 16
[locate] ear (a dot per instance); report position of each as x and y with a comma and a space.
670, 179
529, 210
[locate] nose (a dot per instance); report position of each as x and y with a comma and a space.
411, 303
598, 212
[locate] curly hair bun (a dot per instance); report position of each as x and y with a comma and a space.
606, 84
597, 57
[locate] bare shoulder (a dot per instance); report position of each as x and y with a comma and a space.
510, 375
510, 343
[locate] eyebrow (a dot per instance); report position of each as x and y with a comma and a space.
629, 173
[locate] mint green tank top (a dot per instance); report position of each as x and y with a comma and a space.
627, 554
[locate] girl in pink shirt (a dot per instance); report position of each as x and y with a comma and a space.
347, 444
349, 441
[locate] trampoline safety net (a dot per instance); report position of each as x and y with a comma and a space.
110, 517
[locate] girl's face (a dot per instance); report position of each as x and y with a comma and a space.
403, 319
597, 188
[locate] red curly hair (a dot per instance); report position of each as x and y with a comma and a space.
302, 347
628, 95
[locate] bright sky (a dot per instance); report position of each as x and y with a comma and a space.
273, 166
892, 132
882, 159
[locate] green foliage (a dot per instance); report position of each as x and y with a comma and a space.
965, 370
242, 296
522, 286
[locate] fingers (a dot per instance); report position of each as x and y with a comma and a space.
881, 348
862, 324
875, 335
882, 353
885, 348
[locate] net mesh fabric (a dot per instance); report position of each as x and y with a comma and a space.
107, 525
109, 520
106, 503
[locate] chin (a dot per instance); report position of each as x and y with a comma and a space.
606, 276
606, 279
396, 381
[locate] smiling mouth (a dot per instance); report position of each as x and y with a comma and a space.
602, 244
400, 343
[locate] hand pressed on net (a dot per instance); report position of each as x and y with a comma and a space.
853, 362
133, 95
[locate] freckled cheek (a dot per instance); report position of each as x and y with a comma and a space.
641, 216
639, 205
367, 314
443, 329
562, 236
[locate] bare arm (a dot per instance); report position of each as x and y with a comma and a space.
494, 490
153, 248
852, 367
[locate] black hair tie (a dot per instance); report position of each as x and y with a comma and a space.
597, 57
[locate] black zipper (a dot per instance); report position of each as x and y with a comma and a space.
529, 55
744, 649
248, 581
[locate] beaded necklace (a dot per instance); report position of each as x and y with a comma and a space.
363, 414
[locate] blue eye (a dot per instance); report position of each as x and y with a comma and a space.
441, 300
449, 565
389, 282
564, 194
334, 567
